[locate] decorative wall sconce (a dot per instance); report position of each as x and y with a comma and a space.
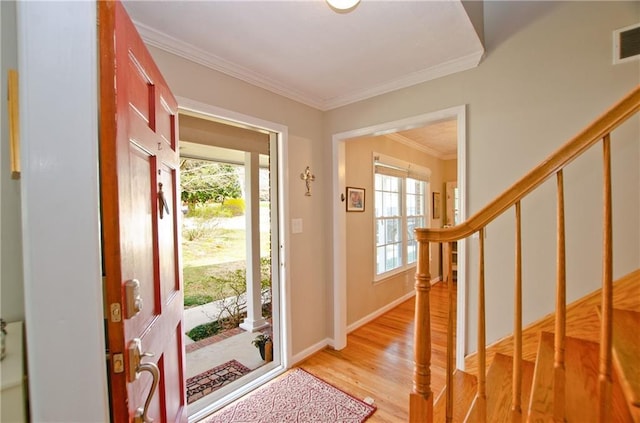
307, 177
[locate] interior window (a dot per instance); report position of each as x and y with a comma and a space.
399, 209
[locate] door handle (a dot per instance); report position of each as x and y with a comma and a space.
141, 413
135, 369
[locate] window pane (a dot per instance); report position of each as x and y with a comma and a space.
380, 260
415, 215
399, 210
393, 230
419, 205
378, 205
411, 225
412, 250
411, 205
380, 238
386, 183
394, 208
393, 256
411, 186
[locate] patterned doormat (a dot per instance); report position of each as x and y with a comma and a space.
296, 397
207, 382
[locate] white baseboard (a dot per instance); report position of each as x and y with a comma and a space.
384, 309
329, 342
310, 351
379, 312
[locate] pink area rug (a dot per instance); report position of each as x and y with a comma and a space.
296, 397
206, 382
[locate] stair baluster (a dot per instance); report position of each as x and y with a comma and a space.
421, 399
604, 394
482, 343
450, 329
561, 309
516, 402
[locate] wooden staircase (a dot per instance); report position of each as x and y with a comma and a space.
586, 365
626, 354
581, 354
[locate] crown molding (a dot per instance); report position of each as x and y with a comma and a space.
453, 66
187, 51
394, 136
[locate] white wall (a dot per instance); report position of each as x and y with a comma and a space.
546, 75
307, 263
60, 211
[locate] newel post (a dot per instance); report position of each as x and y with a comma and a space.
421, 398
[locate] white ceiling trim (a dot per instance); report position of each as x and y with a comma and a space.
187, 51
418, 146
443, 69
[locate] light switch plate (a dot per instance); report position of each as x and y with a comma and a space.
296, 226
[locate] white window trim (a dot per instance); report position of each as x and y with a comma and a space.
425, 175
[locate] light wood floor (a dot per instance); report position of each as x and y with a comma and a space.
378, 359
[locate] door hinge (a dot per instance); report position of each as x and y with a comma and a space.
118, 363
115, 312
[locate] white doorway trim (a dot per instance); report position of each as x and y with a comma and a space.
339, 340
281, 136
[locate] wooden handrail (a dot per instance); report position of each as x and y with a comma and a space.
421, 399
602, 126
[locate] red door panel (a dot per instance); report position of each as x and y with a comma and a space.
140, 212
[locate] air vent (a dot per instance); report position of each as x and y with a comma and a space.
626, 44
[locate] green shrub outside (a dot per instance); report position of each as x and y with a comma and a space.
196, 300
232, 283
235, 206
195, 233
206, 330
208, 211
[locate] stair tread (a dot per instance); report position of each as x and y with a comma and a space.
541, 404
500, 388
581, 375
464, 390
626, 347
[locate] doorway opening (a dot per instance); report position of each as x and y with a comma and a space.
340, 299
232, 248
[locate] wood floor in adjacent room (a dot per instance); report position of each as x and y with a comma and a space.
378, 359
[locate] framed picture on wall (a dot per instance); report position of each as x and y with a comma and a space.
355, 199
436, 205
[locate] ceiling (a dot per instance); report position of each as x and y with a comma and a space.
304, 50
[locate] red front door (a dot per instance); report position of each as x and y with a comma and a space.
139, 193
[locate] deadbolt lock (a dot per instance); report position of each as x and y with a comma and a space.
133, 304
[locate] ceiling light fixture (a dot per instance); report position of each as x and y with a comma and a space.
343, 5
